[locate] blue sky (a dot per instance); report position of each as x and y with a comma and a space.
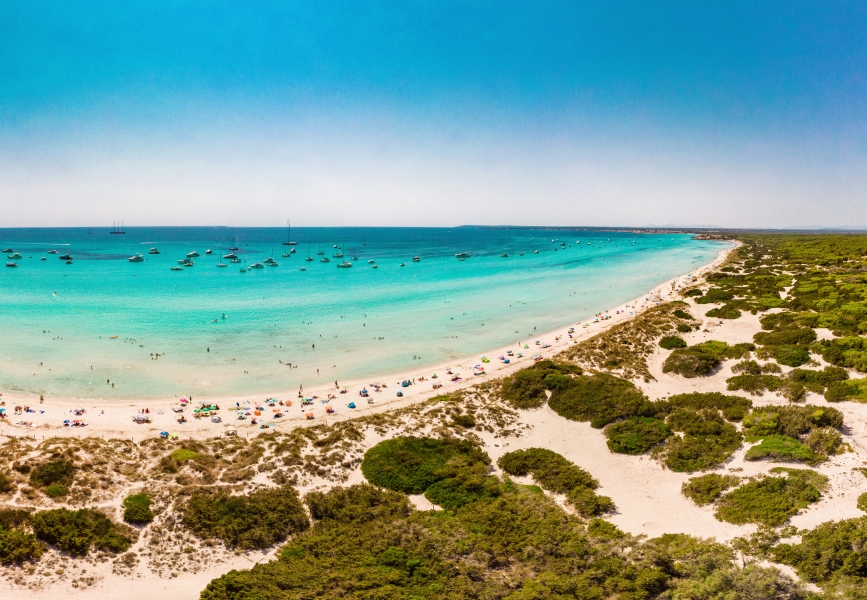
434, 113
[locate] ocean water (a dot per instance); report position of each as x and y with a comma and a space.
222, 331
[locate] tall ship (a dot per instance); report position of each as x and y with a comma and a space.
117, 229
289, 241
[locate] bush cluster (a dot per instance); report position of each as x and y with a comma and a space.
600, 399
670, 342
771, 501
707, 488
702, 359
54, 477
17, 545
527, 388
800, 433
77, 531
832, 552
137, 508
636, 435
707, 441
256, 520
556, 474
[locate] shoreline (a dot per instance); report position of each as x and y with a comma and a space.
116, 418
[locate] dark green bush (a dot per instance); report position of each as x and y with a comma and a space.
137, 509
683, 328
6, 485
839, 391
771, 501
791, 356
707, 441
755, 385
747, 367
256, 520
56, 490
733, 408
57, 471
682, 314
14, 518
600, 399
726, 311
862, 504
670, 342
357, 504
701, 359
707, 488
18, 546
636, 435
791, 421
715, 296
412, 464
693, 293
797, 336
833, 549
526, 388
77, 531
556, 474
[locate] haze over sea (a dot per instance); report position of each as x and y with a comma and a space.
58, 319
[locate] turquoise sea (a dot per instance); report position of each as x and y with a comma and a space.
58, 320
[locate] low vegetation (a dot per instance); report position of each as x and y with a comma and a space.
702, 359
528, 387
636, 435
707, 488
771, 500
255, 520
670, 342
137, 509
708, 440
556, 474
799, 433
79, 531
600, 399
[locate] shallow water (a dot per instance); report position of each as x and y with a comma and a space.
362, 321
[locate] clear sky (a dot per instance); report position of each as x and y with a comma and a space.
740, 114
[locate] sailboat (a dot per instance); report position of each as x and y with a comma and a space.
289, 241
309, 258
117, 230
337, 253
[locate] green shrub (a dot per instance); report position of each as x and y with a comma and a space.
755, 385
693, 293
527, 388
824, 440
707, 488
698, 360
636, 435
707, 441
791, 421
747, 367
726, 311
839, 391
56, 490
185, 454
413, 464
831, 550
77, 531
6, 485
137, 508
357, 504
670, 342
256, 520
771, 501
57, 471
798, 336
600, 399
18, 546
782, 448
556, 474
715, 296
14, 518
682, 314
683, 328
791, 356
862, 502
733, 408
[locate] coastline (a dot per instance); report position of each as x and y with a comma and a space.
114, 418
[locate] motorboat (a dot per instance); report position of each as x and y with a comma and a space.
402, 265
51, 252
287, 255
136, 258
416, 259
11, 264
66, 257
292, 251
504, 255
69, 262
42, 258
521, 254
324, 259
193, 254
375, 266
269, 260
244, 269
14, 256
208, 251
273, 263
344, 265
186, 262
230, 256
235, 260
153, 251
8, 250
176, 269
257, 265
462, 255
371, 261
309, 259
535, 252
303, 268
